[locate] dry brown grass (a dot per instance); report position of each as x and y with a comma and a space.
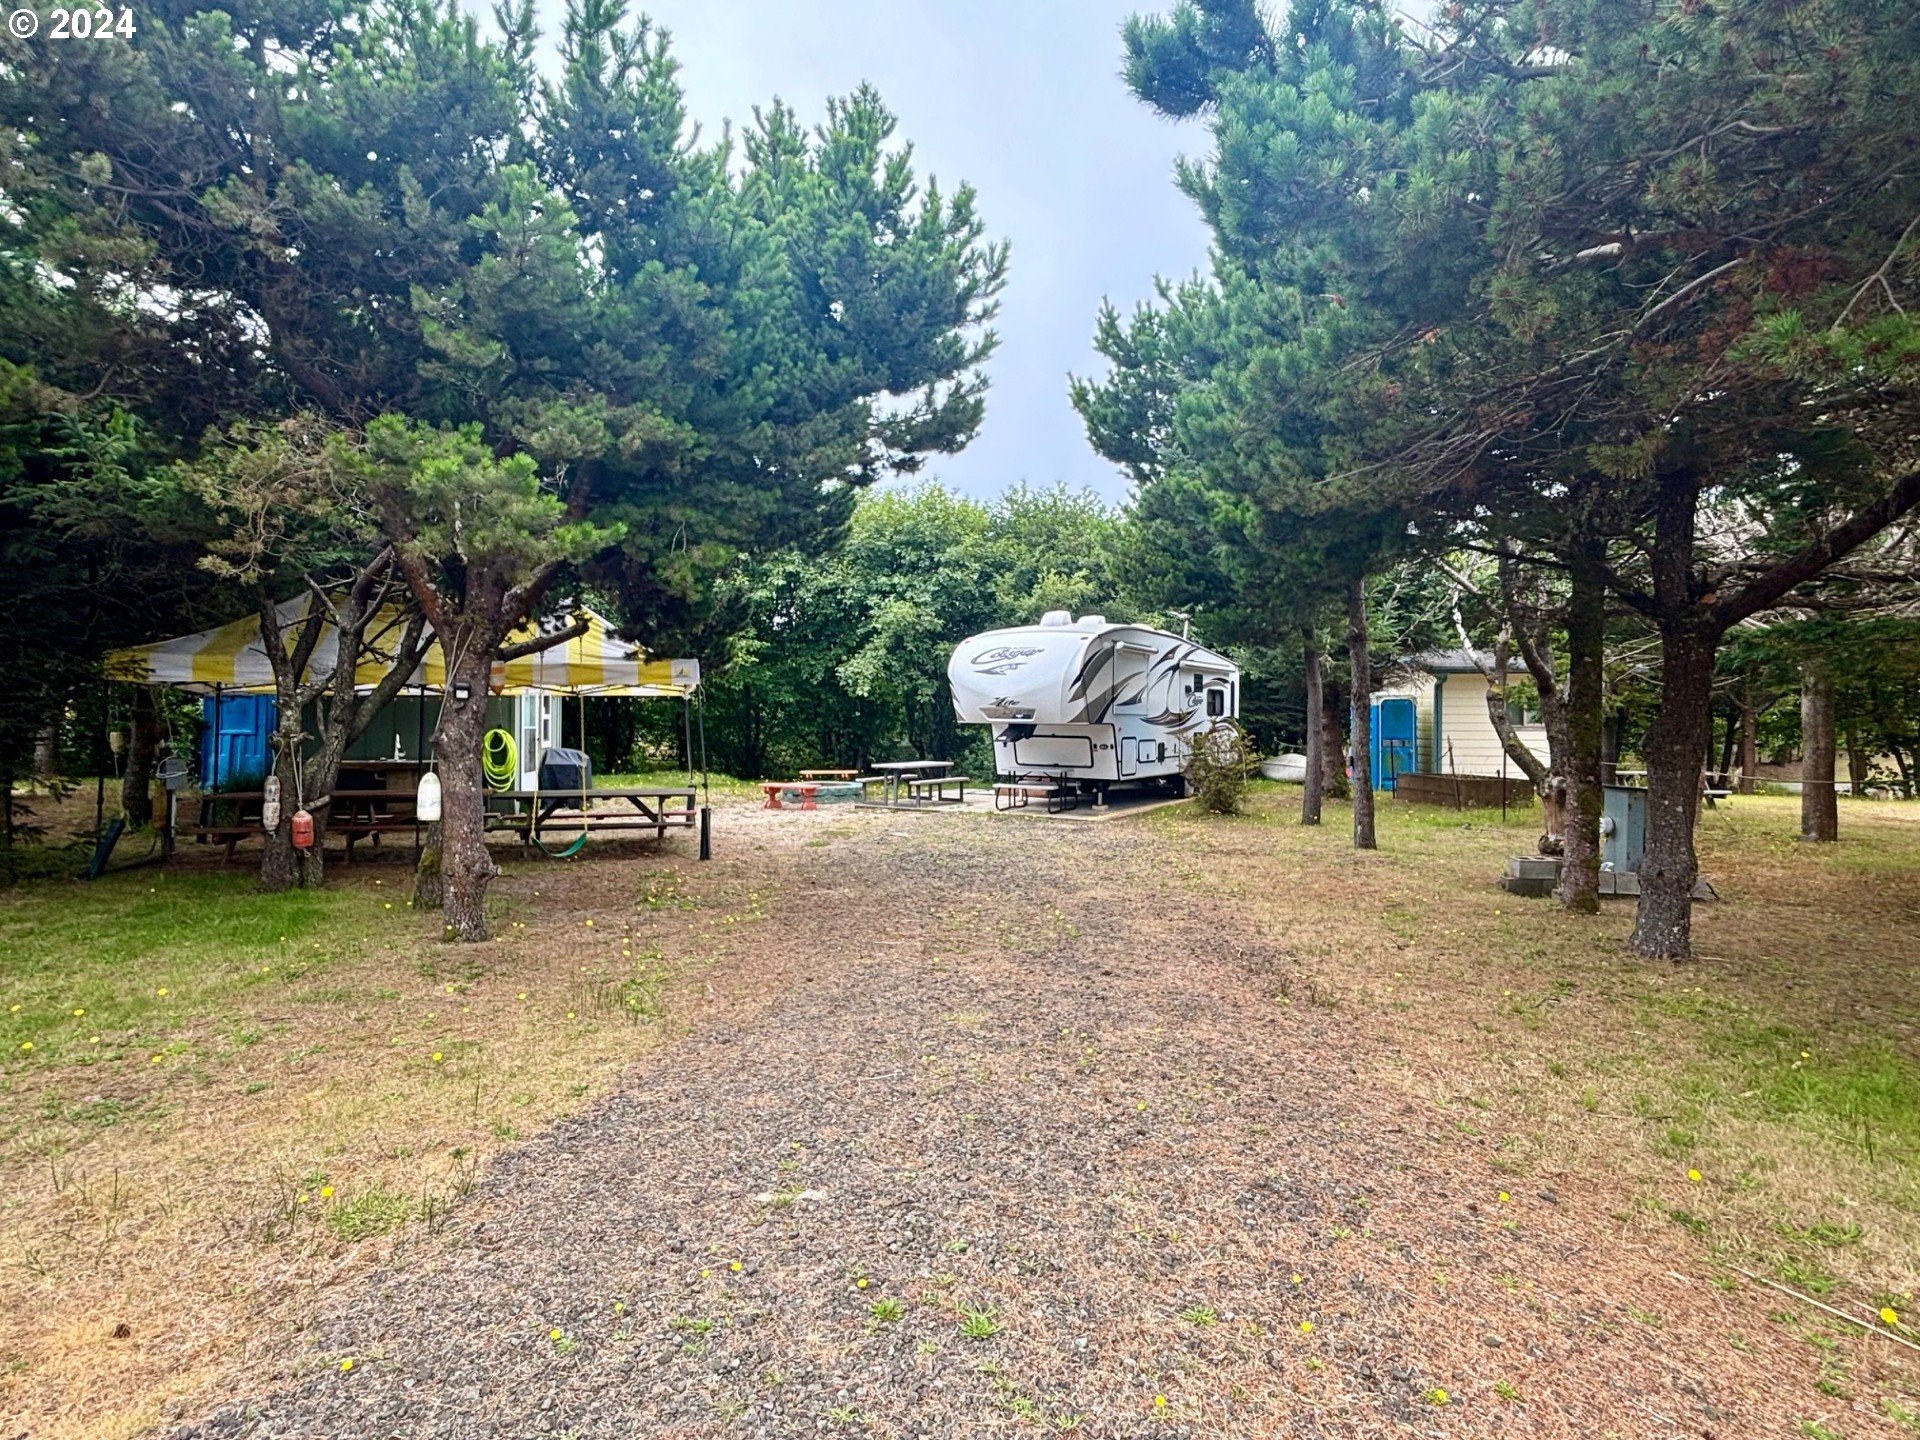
1780, 1067
1500, 1044
292, 1109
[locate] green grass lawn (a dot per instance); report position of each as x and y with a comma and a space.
93, 972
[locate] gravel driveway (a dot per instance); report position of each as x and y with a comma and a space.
998, 1128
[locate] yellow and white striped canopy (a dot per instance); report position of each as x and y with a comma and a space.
232, 658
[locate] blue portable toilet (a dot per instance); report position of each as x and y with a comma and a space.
233, 738
1395, 726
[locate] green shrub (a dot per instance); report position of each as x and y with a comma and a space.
1219, 767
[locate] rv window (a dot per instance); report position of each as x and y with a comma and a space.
1216, 701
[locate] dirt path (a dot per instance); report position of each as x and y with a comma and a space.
1008, 1070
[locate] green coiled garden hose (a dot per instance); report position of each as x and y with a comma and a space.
500, 759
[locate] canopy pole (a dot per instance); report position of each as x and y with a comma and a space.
687, 726
700, 701
706, 796
213, 767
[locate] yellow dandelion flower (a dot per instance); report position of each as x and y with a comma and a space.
326, 1192
553, 1334
94, 1041
156, 1060
436, 1057
1504, 1197
1806, 1055
1694, 1176
26, 1044
1306, 1327
387, 906
13, 1009
304, 1198
346, 1365
861, 1283
161, 991
1890, 1315
1296, 1279
1438, 1396
80, 1012
1159, 1402
589, 924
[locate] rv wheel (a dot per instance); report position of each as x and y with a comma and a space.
1178, 785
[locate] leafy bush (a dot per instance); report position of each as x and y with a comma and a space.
1218, 768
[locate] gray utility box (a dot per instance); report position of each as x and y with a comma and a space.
1623, 828
1623, 843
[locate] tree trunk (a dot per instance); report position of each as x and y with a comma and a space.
1858, 765
1523, 758
46, 752
1362, 665
1581, 721
279, 869
1819, 796
136, 785
1663, 929
1610, 729
1316, 776
464, 861
429, 880
1333, 744
1749, 738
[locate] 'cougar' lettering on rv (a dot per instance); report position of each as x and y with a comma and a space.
1004, 659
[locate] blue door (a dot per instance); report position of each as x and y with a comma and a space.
1393, 741
233, 739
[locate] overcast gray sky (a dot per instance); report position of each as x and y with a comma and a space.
1023, 99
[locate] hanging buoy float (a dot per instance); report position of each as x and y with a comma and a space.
426, 805
270, 805
302, 830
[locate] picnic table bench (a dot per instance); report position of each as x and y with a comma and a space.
350, 814
933, 789
1018, 794
653, 807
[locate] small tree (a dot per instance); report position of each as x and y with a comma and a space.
291, 529
1218, 767
480, 541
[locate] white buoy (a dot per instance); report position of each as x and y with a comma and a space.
427, 802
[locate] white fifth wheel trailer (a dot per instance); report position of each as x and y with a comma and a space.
1093, 704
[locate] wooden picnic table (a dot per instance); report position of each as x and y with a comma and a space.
828, 774
653, 808
351, 814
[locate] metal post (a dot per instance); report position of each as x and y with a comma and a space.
706, 832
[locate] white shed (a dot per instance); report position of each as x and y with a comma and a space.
1455, 734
